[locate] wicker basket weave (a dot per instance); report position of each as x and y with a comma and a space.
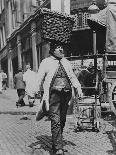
56, 26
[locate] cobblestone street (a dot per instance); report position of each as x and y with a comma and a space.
20, 134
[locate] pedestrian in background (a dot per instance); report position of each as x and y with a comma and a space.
59, 78
20, 86
0, 82
4, 80
29, 78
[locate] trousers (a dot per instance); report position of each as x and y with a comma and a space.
57, 113
21, 95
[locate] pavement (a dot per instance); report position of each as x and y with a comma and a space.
8, 101
20, 134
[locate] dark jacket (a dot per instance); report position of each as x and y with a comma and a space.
18, 81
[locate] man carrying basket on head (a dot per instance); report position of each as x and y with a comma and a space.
59, 79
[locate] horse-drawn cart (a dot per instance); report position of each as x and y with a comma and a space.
100, 90
87, 110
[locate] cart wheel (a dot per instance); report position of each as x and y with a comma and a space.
112, 97
97, 126
94, 129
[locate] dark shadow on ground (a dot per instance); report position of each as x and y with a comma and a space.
111, 119
44, 142
26, 105
112, 137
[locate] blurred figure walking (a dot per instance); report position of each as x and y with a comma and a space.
4, 80
0, 82
20, 86
29, 78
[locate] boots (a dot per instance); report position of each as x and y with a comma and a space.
20, 103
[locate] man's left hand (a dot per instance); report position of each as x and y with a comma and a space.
80, 93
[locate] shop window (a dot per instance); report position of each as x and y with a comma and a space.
76, 22
80, 21
14, 20
1, 38
85, 16
14, 8
27, 8
2, 5
34, 3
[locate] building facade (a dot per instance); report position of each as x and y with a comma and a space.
82, 36
14, 41
20, 39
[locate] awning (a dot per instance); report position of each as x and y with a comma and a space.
111, 27
106, 20
97, 21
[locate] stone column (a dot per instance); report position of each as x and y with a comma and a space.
24, 62
45, 50
39, 55
9, 18
34, 48
62, 6
55, 3
10, 67
19, 50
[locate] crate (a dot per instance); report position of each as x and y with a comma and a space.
86, 113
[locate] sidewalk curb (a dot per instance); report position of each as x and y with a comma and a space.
18, 112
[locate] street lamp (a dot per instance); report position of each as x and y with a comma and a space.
93, 9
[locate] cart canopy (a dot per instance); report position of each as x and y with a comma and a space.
106, 20
97, 21
111, 27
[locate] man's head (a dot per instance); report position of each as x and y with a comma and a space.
56, 49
